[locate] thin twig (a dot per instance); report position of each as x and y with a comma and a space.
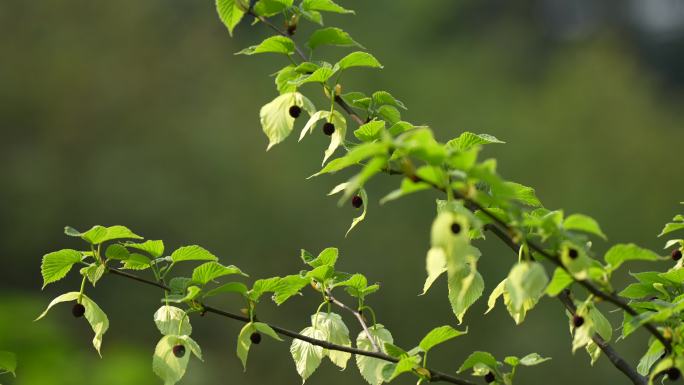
435, 375
359, 318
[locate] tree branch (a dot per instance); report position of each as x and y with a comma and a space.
435, 375
503, 233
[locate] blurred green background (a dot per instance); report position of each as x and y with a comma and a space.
138, 113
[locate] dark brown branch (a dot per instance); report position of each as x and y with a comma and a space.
435, 375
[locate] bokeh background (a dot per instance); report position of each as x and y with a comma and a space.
138, 113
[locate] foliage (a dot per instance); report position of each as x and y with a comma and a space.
478, 201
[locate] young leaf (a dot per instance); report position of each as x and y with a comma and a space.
8, 362
209, 271
96, 317
467, 140
323, 5
465, 287
439, 335
336, 332
331, 36
652, 355
101, 234
171, 320
407, 187
560, 280
353, 157
270, 8
230, 12
273, 44
289, 286
166, 365
326, 257
307, 357
136, 261
533, 359
385, 98
435, 264
154, 248
276, 121
357, 59
192, 253
116, 251
476, 358
231, 287
245, 341
93, 272
527, 280
370, 131
580, 222
371, 368
56, 265
620, 253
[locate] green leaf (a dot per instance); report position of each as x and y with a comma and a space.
276, 121
406, 364
100, 234
560, 280
353, 157
287, 287
270, 8
56, 265
154, 248
533, 359
284, 79
517, 192
245, 342
93, 273
231, 287
370, 131
136, 261
390, 113
381, 98
323, 5
371, 368
192, 253
653, 354
96, 317
209, 271
467, 140
670, 227
262, 286
465, 287
435, 264
621, 253
439, 335
335, 332
337, 137
320, 75
331, 36
116, 251
357, 59
580, 222
527, 280
230, 12
166, 365
307, 357
8, 362
407, 187
273, 44
327, 257
478, 357
171, 320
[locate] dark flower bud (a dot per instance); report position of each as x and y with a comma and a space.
179, 351
255, 338
489, 377
676, 255
573, 254
577, 321
328, 128
357, 201
673, 374
455, 227
78, 310
295, 111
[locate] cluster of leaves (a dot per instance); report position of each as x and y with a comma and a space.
477, 199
